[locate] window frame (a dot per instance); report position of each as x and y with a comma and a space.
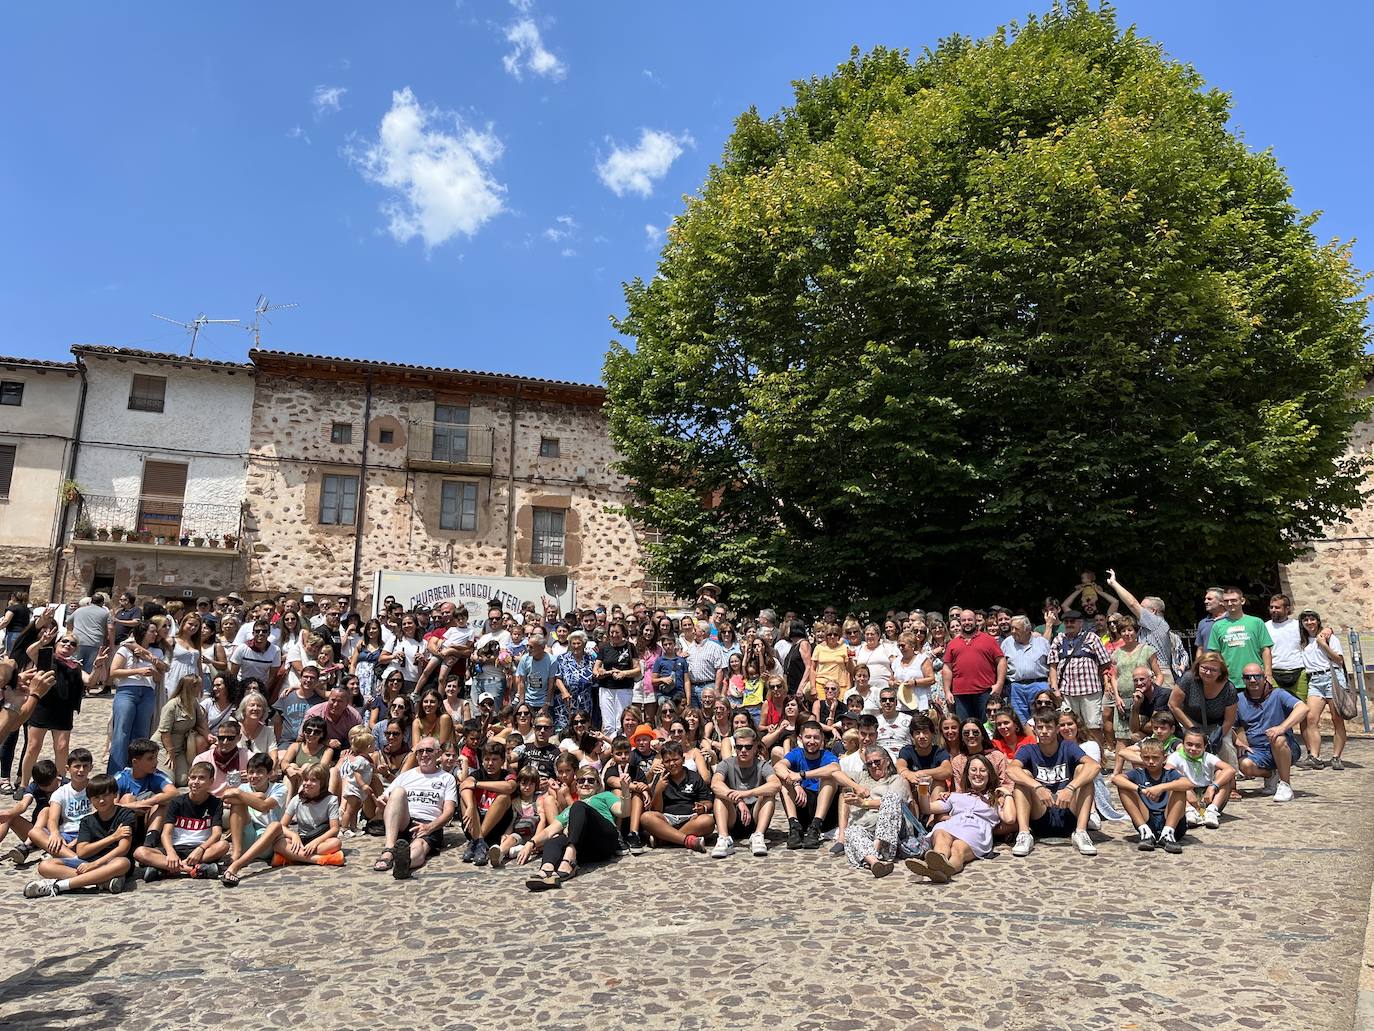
338, 430
7, 475
550, 447
334, 499
144, 401
549, 546
463, 491
9, 386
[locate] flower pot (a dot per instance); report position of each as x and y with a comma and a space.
185, 541
199, 542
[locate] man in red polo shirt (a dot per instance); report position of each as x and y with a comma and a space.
975, 668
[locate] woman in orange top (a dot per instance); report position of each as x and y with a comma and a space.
831, 661
1010, 735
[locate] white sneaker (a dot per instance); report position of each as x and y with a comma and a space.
1283, 793
1083, 843
43, 888
1025, 841
1094, 822
758, 845
725, 847
1212, 817
1192, 817
1270, 783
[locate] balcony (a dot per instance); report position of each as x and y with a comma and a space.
154, 521
448, 447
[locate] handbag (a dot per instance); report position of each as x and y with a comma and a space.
1343, 699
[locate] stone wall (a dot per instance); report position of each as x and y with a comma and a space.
151, 570
291, 452
1336, 577
31, 567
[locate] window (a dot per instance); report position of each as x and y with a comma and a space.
11, 392
548, 537
6, 468
160, 503
148, 393
386, 436
339, 500
450, 433
458, 506
548, 447
341, 433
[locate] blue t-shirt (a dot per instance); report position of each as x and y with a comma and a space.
676, 667
141, 788
292, 709
914, 761
1255, 718
799, 763
1137, 776
1054, 771
536, 674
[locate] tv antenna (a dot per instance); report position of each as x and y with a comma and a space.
193, 327
260, 311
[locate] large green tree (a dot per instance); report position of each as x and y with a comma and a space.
945, 328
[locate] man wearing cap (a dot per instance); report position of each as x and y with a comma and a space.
1077, 661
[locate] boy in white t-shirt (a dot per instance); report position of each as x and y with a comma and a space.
56, 829
1209, 775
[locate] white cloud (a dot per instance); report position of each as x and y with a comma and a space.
441, 181
568, 252
654, 235
564, 226
297, 133
522, 5
529, 53
327, 98
636, 169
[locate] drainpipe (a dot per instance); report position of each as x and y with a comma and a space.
362, 498
510, 489
59, 561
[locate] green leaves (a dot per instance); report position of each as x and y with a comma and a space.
960, 324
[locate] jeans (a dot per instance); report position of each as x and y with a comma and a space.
85, 654
1021, 695
133, 717
10, 637
972, 706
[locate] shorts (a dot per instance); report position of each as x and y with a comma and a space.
434, 839
1054, 823
183, 851
1088, 708
1155, 823
252, 832
675, 820
807, 813
1293, 681
500, 829
1262, 756
70, 837
643, 694
1319, 685
669, 699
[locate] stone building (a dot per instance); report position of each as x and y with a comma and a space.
1336, 577
357, 466
39, 401
161, 459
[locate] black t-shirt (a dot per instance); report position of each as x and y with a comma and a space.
915, 761
541, 758
616, 656
191, 821
1156, 701
19, 618
93, 828
680, 798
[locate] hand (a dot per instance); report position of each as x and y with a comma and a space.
310, 849
526, 851
1064, 798
861, 791
746, 816
799, 793
1111, 577
1154, 791
82, 868
1273, 734
41, 682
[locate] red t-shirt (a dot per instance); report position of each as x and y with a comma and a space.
973, 663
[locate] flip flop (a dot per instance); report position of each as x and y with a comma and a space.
229, 879
543, 882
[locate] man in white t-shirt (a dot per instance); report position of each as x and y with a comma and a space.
258, 658
894, 728
419, 804
1286, 652
260, 611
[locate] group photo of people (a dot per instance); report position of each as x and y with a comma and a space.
243, 737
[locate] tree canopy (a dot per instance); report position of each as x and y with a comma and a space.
947, 328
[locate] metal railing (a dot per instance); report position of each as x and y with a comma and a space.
449, 446
165, 519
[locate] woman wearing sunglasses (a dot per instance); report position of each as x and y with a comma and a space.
585, 830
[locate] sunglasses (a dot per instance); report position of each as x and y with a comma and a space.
973, 733
875, 762
585, 780
393, 733
542, 726
1252, 676
425, 751
234, 737
524, 712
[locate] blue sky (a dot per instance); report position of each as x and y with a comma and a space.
469, 184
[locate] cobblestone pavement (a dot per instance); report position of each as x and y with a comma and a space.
1258, 925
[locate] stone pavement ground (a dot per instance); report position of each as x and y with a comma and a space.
1258, 925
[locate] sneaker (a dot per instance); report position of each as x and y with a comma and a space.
470, 853
1270, 784
481, 853
1192, 817
1308, 763
151, 874
837, 849
1211, 817
694, 843
622, 847
206, 871
114, 885
498, 855
44, 888
16, 855
1283, 793
758, 844
335, 858
636, 845
725, 848
1083, 843
1168, 842
1336, 763
1094, 823
349, 833
794, 836
1147, 839
1025, 841
880, 867
812, 837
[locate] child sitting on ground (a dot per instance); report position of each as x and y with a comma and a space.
1155, 798
1207, 773
192, 836
38, 794
310, 826
255, 814
57, 827
103, 842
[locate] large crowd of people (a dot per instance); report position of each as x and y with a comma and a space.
273, 733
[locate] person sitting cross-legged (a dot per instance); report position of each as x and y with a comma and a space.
680, 811
1155, 798
102, 847
192, 840
810, 775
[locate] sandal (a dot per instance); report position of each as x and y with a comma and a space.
385, 861
543, 881
566, 876
230, 879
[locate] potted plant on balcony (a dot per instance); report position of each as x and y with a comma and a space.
68, 491
198, 541
102, 533
185, 539
230, 540
116, 533
84, 530
212, 540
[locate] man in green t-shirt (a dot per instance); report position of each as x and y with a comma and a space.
1240, 639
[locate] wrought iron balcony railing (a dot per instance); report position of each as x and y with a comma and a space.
162, 519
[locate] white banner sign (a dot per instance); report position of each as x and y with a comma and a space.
414, 590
